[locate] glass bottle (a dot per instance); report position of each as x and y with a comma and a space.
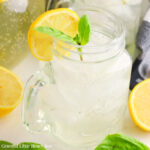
16, 16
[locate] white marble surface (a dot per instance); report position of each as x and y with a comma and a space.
12, 129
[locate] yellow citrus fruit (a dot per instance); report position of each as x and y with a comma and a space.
62, 19
3, 0
11, 91
139, 105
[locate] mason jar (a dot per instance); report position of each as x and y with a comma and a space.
80, 101
16, 16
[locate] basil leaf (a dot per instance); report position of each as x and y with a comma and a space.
77, 39
120, 142
55, 33
84, 30
30, 146
4, 145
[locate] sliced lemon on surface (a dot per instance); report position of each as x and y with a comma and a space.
139, 105
62, 19
11, 91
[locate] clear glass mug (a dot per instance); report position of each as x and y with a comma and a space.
81, 101
129, 11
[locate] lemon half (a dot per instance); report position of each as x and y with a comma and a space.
11, 91
139, 105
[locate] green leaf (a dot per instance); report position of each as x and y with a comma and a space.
77, 39
120, 142
55, 33
30, 146
4, 145
84, 30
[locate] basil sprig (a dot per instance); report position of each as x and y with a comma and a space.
82, 38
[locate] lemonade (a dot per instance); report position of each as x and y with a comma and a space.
16, 16
79, 101
90, 103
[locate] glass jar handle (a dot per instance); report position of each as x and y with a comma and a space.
32, 114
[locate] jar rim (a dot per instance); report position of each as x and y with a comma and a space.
118, 39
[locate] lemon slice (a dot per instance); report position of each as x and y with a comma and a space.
62, 19
139, 105
11, 91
